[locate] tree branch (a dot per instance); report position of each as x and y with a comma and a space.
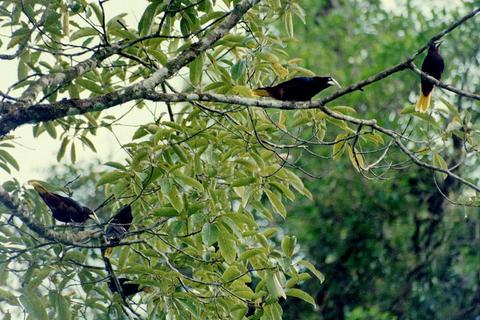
17, 210
443, 85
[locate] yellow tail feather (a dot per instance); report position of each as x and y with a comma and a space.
423, 103
260, 92
108, 252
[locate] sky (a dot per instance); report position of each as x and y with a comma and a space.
35, 156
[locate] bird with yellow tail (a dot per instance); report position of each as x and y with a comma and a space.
432, 65
118, 227
63, 209
297, 89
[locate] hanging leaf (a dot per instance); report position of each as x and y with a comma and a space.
297, 293
438, 161
276, 202
196, 70
274, 287
312, 269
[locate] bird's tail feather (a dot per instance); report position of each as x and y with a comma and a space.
108, 252
260, 92
423, 102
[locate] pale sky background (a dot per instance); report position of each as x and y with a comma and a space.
35, 156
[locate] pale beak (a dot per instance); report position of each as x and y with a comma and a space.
438, 43
334, 82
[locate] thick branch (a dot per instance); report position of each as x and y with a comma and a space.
57, 79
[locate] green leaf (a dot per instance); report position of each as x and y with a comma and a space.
238, 69
146, 20
176, 199
339, 146
140, 132
231, 273
50, 128
243, 181
288, 24
284, 189
196, 70
165, 212
37, 278
438, 161
83, 32
344, 110
115, 165
22, 70
73, 154
227, 246
62, 306
274, 287
276, 202
209, 234
312, 269
88, 143
272, 312
297, 293
288, 245
159, 55
63, 147
297, 183
33, 305
451, 107
8, 297
8, 158
355, 158
109, 177
251, 253
189, 181
180, 153
90, 85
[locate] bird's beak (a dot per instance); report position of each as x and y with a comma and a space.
94, 217
334, 82
438, 43
37, 185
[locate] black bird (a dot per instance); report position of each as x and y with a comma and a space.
129, 289
63, 208
432, 65
297, 89
118, 227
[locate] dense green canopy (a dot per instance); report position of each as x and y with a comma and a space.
350, 206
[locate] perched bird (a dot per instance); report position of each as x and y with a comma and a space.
432, 65
118, 227
297, 89
63, 208
129, 289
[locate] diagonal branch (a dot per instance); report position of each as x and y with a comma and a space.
172, 66
444, 85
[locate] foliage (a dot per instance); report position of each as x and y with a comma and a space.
210, 182
204, 192
396, 244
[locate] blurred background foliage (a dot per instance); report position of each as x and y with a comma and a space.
390, 248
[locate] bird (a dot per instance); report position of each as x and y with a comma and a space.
63, 209
118, 227
128, 289
297, 89
432, 65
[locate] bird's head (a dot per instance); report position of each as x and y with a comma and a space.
435, 45
327, 81
91, 214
